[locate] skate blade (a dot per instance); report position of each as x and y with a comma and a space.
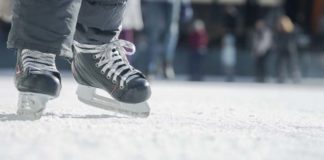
31, 105
88, 96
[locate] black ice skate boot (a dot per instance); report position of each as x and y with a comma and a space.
37, 80
106, 67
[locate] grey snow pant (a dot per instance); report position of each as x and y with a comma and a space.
51, 26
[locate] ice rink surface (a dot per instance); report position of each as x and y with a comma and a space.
189, 121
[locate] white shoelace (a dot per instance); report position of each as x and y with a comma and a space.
37, 60
112, 56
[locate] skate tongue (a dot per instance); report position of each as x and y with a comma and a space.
123, 46
38, 61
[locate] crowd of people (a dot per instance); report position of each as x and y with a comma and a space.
281, 41
153, 25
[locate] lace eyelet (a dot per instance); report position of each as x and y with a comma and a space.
97, 65
94, 57
102, 72
114, 81
108, 77
121, 87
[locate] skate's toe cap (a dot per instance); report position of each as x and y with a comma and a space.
138, 90
43, 83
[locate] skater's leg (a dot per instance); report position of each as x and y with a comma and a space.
100, 58
293, 67
195, 64
153, 34
260, 68
44, 25
171, 37
282, 67
99, 21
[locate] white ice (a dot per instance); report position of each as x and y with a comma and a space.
189, 121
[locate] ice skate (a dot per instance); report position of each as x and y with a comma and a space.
106, 67
37, 80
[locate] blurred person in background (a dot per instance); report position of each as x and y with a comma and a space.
5, 10
261, 48
231, 17
161, 27
228, 51
132, 22
228, 56
198, 39
286, 48
5, 19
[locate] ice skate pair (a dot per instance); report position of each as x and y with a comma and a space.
94, 67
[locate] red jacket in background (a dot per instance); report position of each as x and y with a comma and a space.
198, 39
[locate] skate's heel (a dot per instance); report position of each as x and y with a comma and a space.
32, 105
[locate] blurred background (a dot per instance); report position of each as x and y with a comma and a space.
205, 40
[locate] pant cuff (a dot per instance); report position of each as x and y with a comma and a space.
60, 51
